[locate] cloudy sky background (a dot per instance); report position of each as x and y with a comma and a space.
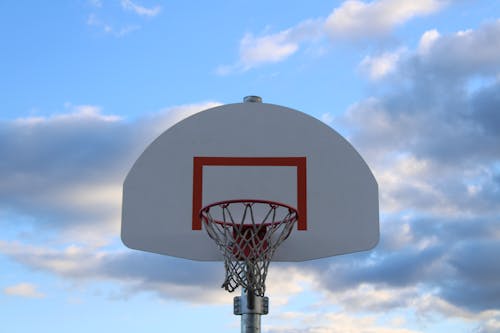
86, 85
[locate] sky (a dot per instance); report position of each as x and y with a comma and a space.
86, 85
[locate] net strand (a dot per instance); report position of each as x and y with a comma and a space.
248, 243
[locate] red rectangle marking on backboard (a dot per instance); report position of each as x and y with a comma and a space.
299, 162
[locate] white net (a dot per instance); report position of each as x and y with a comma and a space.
248, 232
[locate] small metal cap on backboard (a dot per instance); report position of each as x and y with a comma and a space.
252, 99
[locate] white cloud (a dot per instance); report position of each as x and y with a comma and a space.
358, 19
491, 322
126, 30
331, 322
351, 21
284, 283
140, 10
427, 307
94, 21
272, 48
70, 261
256, 51
378, 67
28, 290
366, 297
427, 40
77, 113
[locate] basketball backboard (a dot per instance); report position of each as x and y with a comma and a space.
250, 151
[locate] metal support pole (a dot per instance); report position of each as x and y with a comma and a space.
250, 307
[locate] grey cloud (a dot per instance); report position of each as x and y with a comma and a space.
45, 161
169, 278
486, 106
41, 159
465, 53
48, 164
450, 130
62, 148
162, 269
454, 230
477, 283
448, 204
476, 262
434, 119
398, 267
457, 261
430, 111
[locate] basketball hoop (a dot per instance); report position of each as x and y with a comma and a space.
168, 191
248, 232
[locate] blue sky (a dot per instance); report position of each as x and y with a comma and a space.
85, 85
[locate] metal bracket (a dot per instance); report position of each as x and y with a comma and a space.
242, 306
